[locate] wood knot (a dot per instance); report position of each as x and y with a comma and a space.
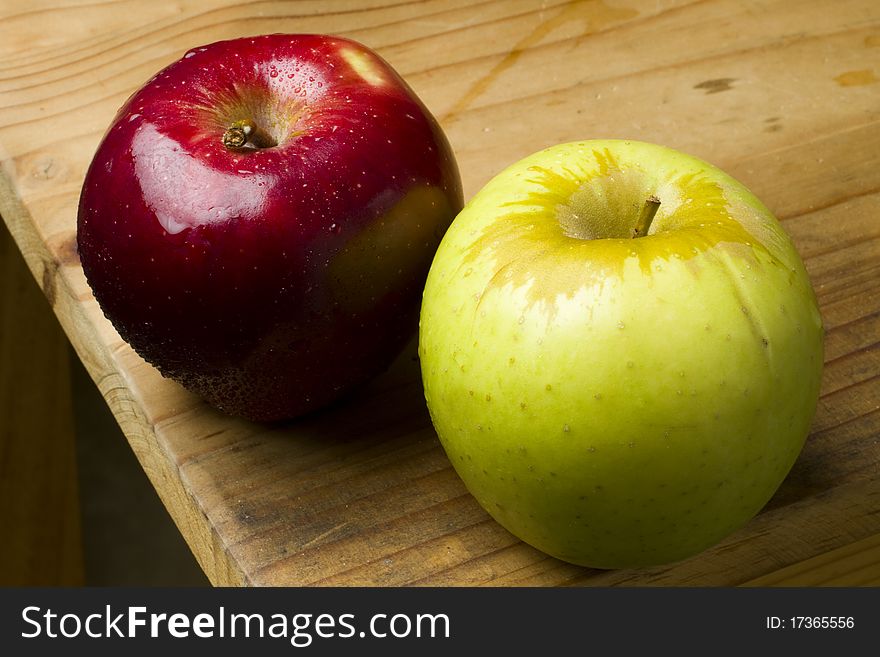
716, 86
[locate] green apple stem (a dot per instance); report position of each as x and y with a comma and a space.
245, 135
652, 203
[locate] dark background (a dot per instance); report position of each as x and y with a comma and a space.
128, 537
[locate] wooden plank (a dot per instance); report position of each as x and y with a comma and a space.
787, 101
857, 564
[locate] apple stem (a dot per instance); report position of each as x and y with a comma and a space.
245, 135
652, 203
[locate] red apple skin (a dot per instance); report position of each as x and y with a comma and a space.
271, 280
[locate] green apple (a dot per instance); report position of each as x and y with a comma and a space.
621, 352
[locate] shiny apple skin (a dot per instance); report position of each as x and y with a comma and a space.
270, 281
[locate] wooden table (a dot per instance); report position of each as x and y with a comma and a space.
783, 95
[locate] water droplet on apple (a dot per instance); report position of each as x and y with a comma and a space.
621, 325
630, 364
521, 320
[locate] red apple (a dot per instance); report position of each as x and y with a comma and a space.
260, 217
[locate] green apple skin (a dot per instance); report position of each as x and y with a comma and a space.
617, 401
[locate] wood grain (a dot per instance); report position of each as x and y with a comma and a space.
786, 100
851, 565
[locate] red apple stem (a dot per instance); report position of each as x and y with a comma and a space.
246, 135
652, 203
